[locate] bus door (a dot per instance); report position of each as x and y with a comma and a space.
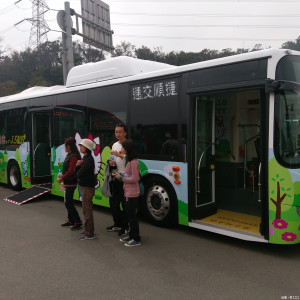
40, 146
204, 150
49, 128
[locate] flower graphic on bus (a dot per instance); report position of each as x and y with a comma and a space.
280, 224
289, 236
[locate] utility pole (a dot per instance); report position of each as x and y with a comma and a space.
67, 54
93, 33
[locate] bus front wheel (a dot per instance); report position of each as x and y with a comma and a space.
159, 202
14, 176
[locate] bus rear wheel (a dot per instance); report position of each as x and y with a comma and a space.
159, 202
14, 176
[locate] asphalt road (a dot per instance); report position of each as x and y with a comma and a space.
41, 260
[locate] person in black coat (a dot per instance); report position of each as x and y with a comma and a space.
87, 180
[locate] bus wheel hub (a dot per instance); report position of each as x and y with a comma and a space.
158, 202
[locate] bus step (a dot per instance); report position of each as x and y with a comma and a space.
29, 194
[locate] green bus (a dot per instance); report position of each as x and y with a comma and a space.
218, 141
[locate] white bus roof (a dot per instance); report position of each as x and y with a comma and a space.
113, 68
132, 69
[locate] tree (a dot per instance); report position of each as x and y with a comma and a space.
48, 55
241, 50
84, 53
257, 47
124, 49
207, 54
38, 81
146, 53
292, 45
226, 52
8, 88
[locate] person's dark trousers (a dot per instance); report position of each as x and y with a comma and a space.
73, 215
119, 216
87, 194
132, 206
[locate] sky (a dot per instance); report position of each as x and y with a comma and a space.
189, 26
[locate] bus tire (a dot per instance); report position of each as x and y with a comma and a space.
160, 202
14, 176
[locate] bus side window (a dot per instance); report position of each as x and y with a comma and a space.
102, 124
15, 126
155, 118
2, 131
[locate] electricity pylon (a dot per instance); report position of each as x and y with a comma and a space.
39, 27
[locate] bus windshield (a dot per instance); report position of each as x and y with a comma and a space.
287, 128
288, 69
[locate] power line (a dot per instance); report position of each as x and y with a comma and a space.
209, 1
208, 15
10, 7
206, 26
22, 8
6, 9
7, 29
200, 38
22, 30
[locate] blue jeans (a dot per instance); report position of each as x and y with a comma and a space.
131, 208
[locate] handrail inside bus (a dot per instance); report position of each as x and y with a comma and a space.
199, 164
245, 162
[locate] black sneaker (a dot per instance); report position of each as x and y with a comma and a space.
113, 228
67, 224
87, 237
123, 231
125, 239
133, 243
76, 226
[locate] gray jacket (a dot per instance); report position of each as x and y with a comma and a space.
107, 180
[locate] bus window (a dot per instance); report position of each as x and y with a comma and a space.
102, 124
66, 123
287, 129
2, 131
154, 121
15, 128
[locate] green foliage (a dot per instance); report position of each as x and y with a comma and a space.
38, 81
293, 45
8, 88
84, 53
124, 49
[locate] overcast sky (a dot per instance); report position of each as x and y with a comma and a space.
172, 25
